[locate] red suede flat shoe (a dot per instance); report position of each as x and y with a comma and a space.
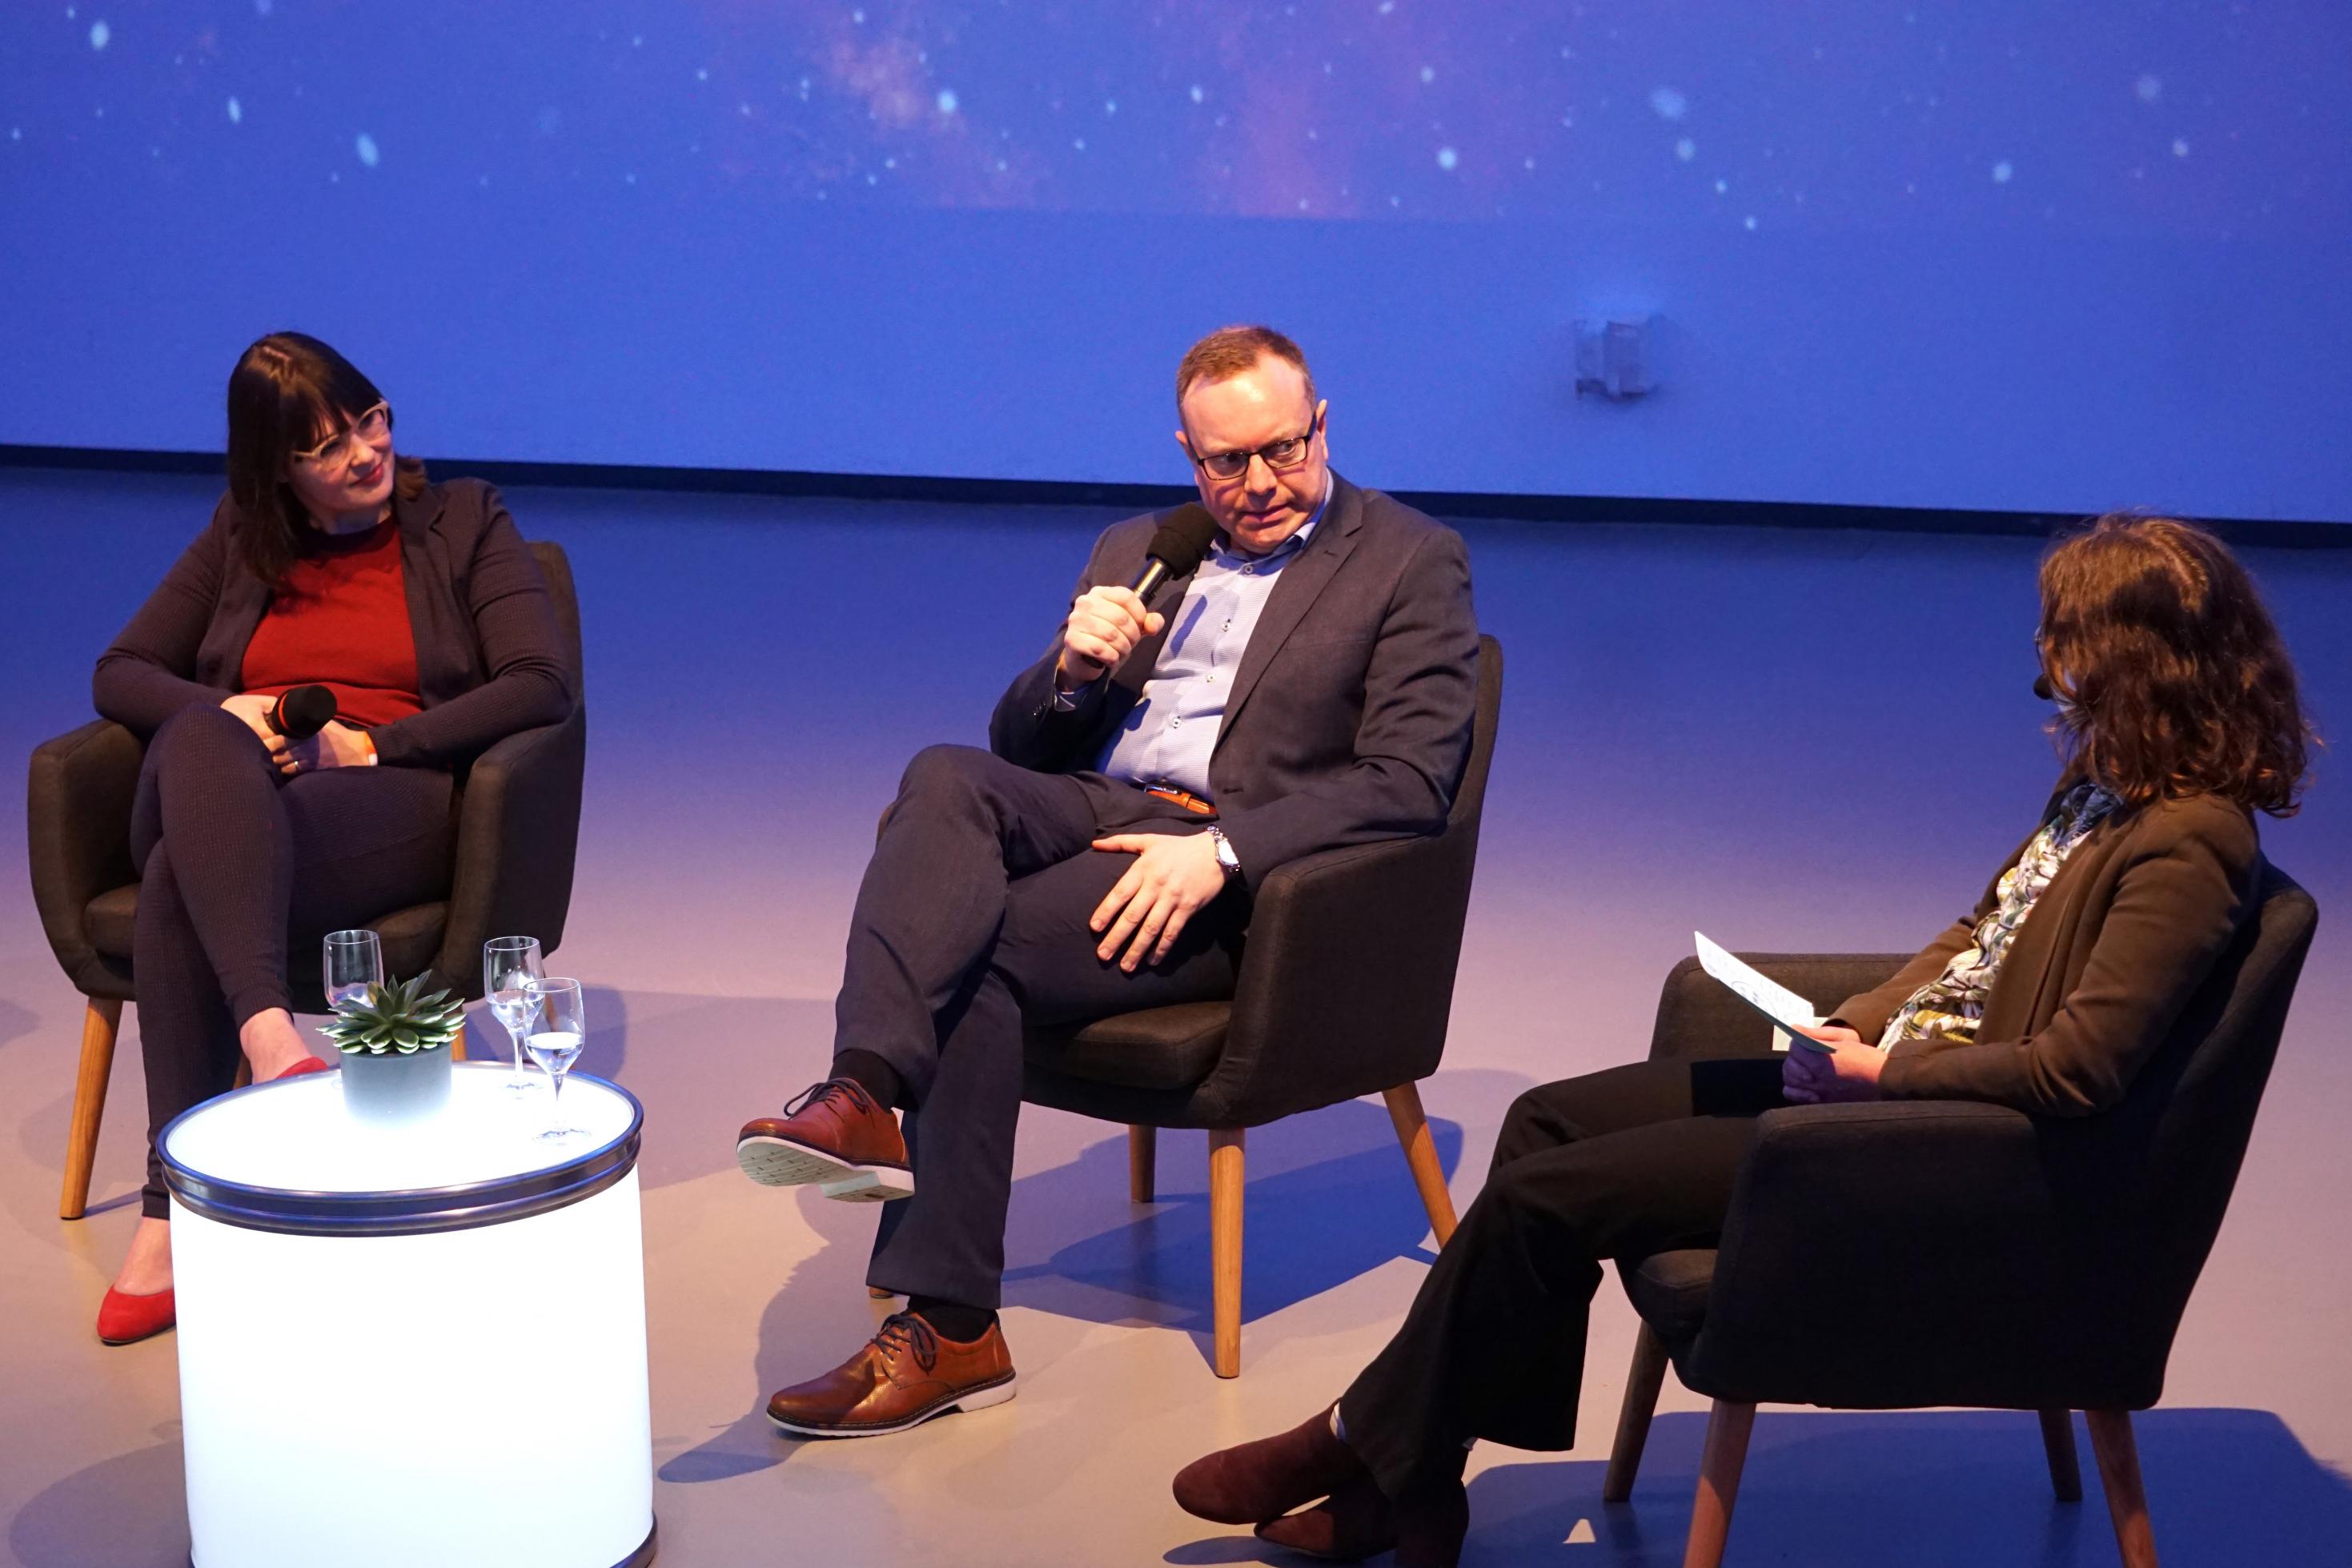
125, 1319
308, 1064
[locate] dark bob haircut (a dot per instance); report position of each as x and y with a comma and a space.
288, 393
2175, 680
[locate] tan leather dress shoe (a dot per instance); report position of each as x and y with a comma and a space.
901, 1377
835, 1135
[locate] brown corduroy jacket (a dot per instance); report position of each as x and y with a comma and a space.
2098, 974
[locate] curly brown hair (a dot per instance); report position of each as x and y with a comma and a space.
2173, 679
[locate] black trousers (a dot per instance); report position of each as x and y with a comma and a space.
971, 924
1617, 1163
235, 862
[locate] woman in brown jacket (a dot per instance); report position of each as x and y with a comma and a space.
2177, 719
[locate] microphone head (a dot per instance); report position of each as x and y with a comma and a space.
2042, 689
303, 712
1183, 539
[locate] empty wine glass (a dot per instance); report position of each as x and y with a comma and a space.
508, 966
557, 1028
350, 963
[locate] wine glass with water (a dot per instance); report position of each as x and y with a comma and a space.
349, 963
557, 1029
509, 965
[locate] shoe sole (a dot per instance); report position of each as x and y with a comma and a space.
777, 1162
970, 1399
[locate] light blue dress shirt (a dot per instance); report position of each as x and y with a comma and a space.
1172, 730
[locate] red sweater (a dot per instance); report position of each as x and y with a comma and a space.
340, 619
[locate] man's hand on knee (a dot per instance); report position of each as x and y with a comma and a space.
1173, 877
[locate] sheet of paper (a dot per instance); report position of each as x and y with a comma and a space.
1787, 1009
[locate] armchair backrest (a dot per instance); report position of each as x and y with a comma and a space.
2180, 1134
1347, 978
556, 568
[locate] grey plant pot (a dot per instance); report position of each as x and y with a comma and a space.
391, 1090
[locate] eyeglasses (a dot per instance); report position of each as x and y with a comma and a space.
341, 451
1283, 456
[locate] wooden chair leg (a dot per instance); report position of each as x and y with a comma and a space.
1421, 1153
1226, 1246
100, 1020
1720, 1462
2058, 1442
2118, 1452
1142, 1162
1642, 1381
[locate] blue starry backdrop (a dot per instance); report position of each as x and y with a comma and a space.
1956, 254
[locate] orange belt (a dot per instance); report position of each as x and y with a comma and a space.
1193, 803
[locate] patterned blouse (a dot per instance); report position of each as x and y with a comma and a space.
1947, 1007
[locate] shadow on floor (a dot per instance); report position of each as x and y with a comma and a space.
1328, 1197
124, 1509
1927, 1489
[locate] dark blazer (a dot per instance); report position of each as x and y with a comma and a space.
489, 659
2102, 968
1350, 717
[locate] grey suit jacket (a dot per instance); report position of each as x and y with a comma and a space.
1350, 717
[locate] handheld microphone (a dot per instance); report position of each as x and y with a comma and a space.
303, 712
1176, 550
2042, 689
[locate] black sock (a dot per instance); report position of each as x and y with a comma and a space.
952, 1320
871, 1073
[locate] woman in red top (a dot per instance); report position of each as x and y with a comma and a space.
331, 561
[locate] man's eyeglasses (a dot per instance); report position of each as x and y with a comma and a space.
1290, 452
341, 451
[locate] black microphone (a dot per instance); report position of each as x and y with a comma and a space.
2042, 689
303, 712
1177, 548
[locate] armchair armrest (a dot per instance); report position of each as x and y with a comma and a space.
1698, 1017
77, 827
517, 831
1353, 947
1895, 1254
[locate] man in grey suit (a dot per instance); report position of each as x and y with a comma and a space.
1308, 686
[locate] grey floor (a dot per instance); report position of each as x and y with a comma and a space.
1788, 739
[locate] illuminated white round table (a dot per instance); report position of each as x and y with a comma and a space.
412, 1345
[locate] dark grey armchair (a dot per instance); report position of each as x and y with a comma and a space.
1346, 978
1908, 1253
517, 827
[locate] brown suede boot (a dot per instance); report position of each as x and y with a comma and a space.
1354, 1522
1252, 1483
1359, 1522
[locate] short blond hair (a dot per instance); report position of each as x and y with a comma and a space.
1230, 350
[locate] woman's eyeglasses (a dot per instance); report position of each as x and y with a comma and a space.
341, 451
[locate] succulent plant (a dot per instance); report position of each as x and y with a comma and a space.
395, 1020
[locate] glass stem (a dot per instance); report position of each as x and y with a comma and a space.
514, 1038
555, 1100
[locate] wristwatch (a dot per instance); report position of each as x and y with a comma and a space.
1227, 861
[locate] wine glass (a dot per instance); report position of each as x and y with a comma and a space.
350, 963
508, 966
557, 1028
